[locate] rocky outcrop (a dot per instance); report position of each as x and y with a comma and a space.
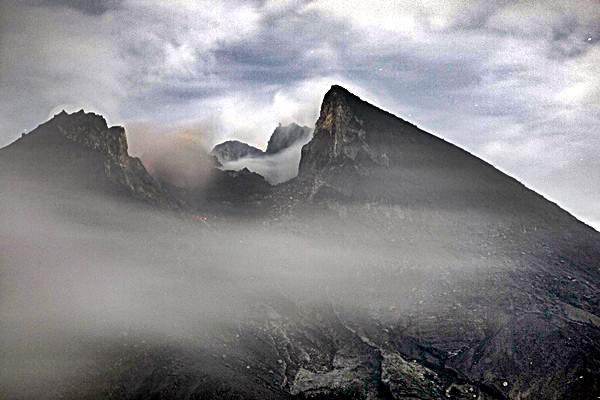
91, 131
285, 136
340, 135
282, 138
233, 150
237, 187
80, 148
279, 163
398, 266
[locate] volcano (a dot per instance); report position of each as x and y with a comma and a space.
395, 266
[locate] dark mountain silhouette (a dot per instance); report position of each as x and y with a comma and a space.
282, 138
226, 193
357, 147
277, 164
285, 136
398, 266
233, 150
436, 204
79, 151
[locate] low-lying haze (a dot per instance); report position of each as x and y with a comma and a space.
84, 275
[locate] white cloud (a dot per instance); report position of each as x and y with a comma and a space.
516, 83
253, 116
47, 61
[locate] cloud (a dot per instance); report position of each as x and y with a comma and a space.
177, 155
92, 7
504, 79
47, 61
275, 168
253, 116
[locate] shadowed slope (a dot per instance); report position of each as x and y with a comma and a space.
80, 152
363, 153
395, 266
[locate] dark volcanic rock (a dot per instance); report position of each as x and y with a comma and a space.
233, 150
282, 138
396, 266
340, 135
274, 166
241, 187
80, 150
368, 165
286, 136
367, 154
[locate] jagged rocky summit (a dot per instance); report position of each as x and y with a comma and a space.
81, 151
282, 138
362, 153
233, 150
456, 281
286, 136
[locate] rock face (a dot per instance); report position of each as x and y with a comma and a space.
279, 163
399, 266
285, 136
340, 135
363, 153
282, 138
233, 150
80, 150
367, 165
230, 192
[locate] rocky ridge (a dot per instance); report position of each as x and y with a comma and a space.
233, 150
282, 138
285, 136
68, 141
474, 287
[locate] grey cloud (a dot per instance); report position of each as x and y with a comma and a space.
93, 7
502, 79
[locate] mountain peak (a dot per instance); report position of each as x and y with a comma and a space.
72, 145
80, 116
90, 130
339, 90
233, 150
285, 136
340, 134
339, 95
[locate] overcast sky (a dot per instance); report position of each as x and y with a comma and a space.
516, 83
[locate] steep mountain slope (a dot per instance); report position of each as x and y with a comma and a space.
80, 152
395, 266
282, 138
233, 150
286, 136
389, 159
505, 278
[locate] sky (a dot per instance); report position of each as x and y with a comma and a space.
515, 83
